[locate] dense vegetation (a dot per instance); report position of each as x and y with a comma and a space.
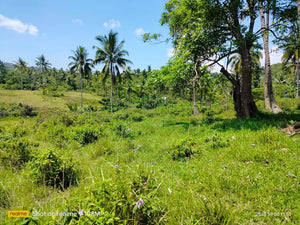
178, 145
145, 166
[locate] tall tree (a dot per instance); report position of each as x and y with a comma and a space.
298, 10
290, 58
21, 67
81, 64
112, 55
270, 102
3, 72
44, 65
216, 29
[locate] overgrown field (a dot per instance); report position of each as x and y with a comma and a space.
145, 166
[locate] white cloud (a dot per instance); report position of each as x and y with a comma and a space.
78, 21
139, 32
33, 30
112, 24
170, 52
17, 25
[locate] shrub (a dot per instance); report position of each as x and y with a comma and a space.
51, 92
105, 102
184, 149
4, 198
53, 170
17, 110
258, 94
137, 117
16, 152
149, 102
86, 134
121, 201
73, 107
90, 108
123, 130
217, 142
67, 120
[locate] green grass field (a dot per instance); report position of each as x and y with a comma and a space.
137, 166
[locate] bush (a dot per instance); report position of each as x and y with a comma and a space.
17, 110
53, 170
123, 130
284, 91
73, 107
217, 142
149, 102
120, 201
105, 102
137, 117
184, 149
4, 198
51, 93
258, 94
86, 134
16, 152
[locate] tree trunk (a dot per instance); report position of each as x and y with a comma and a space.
248, 105
237, 99
111, 89
196, 112
21, 81
270, 102
299, 15
43, 78
81, 89
297, 71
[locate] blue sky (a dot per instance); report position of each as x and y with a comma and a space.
29, 28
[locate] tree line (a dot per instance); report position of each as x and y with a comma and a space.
207, 32
204, 33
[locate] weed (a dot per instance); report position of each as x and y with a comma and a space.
122, 129
53, 170
16, 152
217, 142
73, 107
4, 197
184, 149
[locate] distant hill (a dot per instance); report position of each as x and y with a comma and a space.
9, 65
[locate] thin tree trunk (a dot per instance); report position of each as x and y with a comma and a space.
43, 77
196, 112
297, 94
237, 99
111, 89
21, 81
299, 15
270, 102
297, 69
81, 88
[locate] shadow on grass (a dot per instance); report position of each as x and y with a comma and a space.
185, 125
260, 121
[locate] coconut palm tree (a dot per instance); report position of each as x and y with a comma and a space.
44, 65
81, 64
290, 58
21, 66
112, 55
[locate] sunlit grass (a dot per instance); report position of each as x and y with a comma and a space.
241, 171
